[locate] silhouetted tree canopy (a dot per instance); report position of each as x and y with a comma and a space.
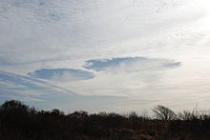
20, 122
14, 105
164, 113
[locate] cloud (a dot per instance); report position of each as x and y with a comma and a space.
62, 74
47, 96
51, 30
131, 64
27, 86
125, 76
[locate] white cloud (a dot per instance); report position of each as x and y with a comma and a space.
123, 76
32, 35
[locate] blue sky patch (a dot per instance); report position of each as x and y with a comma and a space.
62, 74
140, 63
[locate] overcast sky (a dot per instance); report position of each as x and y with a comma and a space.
105, 55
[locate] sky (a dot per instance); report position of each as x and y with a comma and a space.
105, 55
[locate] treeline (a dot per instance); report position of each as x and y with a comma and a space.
21, 122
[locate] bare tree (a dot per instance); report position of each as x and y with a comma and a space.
189, 115
164, 113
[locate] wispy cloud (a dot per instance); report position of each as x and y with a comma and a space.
47, 96
124, 76
27, 86
44, 31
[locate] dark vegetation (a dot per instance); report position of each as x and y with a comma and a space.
20, 122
